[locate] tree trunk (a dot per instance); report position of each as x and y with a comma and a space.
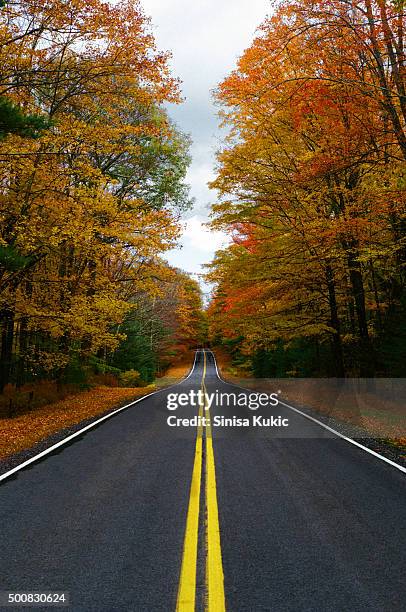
22, 350
7, 334
337, 346
366, 360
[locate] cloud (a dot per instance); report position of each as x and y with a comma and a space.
201, 238
197, 245
206, 38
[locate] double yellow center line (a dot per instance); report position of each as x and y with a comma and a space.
215, 600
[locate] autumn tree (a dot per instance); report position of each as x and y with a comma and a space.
312, 188
163, 325
92, 178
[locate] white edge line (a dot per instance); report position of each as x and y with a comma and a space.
337, 433
45, 452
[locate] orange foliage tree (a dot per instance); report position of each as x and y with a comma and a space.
311, 183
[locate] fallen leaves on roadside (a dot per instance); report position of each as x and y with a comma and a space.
24, 431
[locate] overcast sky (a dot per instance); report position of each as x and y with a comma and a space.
205, 37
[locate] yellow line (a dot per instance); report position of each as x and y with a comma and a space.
214, 566
187, 583
186, 601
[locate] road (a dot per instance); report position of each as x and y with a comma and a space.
137, 515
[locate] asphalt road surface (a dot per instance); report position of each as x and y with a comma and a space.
138, 515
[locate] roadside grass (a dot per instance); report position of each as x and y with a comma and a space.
37, 421
381, 417
21, 432
176, 372
172, 376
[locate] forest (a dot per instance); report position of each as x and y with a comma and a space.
311, 180
92, 192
